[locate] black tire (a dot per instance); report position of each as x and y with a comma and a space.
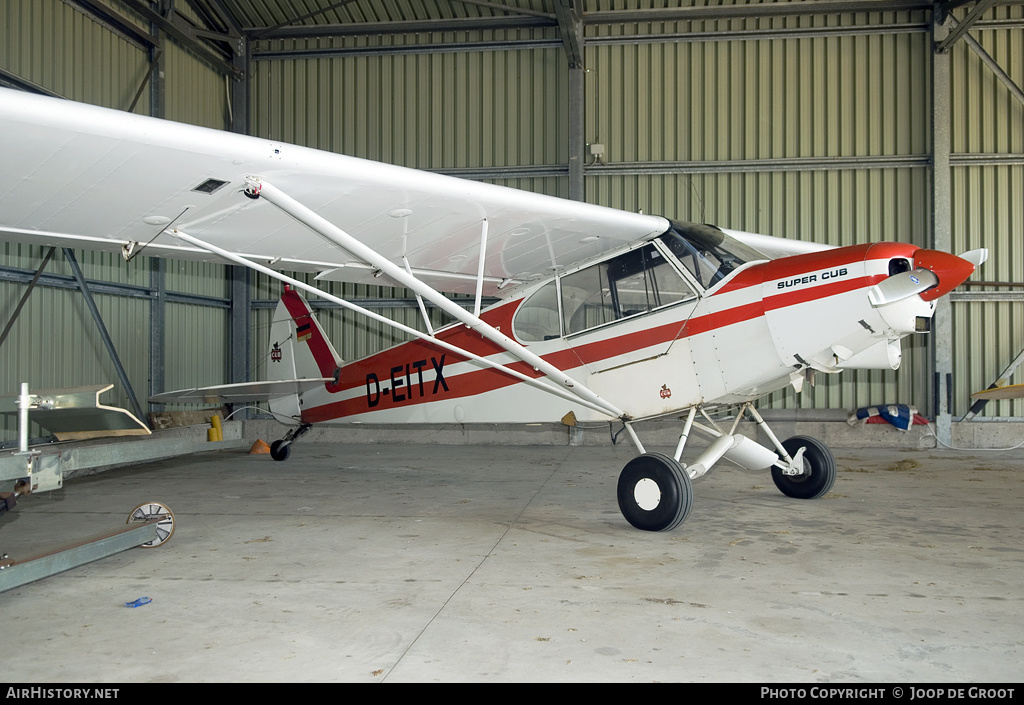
819, 469
279, 450
668, 506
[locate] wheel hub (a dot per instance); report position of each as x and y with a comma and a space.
647, 494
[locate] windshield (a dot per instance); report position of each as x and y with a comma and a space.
708, 253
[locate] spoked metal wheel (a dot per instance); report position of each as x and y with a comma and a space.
150, 511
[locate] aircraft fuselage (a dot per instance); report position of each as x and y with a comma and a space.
640, 329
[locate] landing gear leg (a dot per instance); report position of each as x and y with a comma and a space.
280, 450
806, 468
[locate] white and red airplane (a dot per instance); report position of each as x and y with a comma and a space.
601, 314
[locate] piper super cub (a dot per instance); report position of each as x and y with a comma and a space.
601, 314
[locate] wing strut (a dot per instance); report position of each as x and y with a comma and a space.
480, 267
336, 236
540, 384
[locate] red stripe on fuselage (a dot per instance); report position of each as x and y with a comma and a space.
354, 375
796, 265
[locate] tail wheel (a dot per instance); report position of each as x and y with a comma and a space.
819, 469
654, 492
279, 450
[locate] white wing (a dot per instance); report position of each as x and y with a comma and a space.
82, 176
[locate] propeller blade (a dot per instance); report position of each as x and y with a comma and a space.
976, 257
902, 286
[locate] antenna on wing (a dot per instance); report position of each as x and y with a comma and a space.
131, 250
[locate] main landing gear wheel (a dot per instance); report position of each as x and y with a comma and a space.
150, 511
819, 469
279, 450
655, 493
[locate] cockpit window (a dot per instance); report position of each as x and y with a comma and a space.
630, 284
636, 282
706, 252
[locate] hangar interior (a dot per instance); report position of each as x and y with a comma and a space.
832, 121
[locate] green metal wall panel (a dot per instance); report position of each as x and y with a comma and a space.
426, 111
55, 343
56, 46
196, 344
987, 209
195, 92
989, 335
987, 117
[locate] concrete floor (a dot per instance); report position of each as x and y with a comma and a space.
434, 563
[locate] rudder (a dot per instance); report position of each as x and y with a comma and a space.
299, 349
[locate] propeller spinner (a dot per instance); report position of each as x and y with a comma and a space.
936, 274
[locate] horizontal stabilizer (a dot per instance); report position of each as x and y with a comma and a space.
75, 413
241, 393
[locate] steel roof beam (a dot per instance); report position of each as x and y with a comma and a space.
960, 28
570, 27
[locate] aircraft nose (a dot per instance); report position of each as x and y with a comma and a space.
935, 274
951, 270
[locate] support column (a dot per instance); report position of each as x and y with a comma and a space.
577, 135
157, 85
942, 235
157, 330
239, 100
240, 340
570, 27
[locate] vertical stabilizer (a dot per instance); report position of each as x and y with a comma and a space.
298, 349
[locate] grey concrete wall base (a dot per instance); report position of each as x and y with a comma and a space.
834, 431
106, 454
87, 457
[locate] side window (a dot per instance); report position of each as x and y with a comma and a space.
587, 299
636, 282
537, 317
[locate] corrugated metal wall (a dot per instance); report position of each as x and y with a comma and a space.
785, 115
988, 209
61, 49
813, 127
425, 111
